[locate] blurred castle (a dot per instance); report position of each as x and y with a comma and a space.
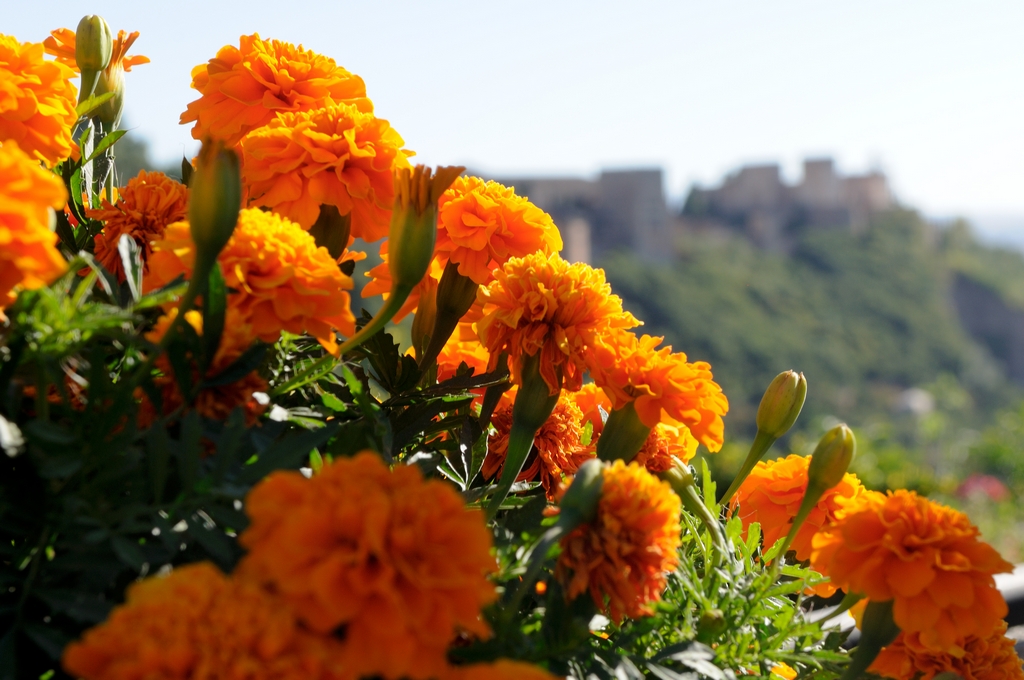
756, 202
627, 210
620, 210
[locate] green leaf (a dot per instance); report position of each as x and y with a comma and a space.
213, 540
159, 455
48, 638
92, 103
190, 451
333, 403
186, 171
131, 260
128, 552
245, 364
215, 302
289, 452
108, 141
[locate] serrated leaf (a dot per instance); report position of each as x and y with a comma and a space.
131, 260
108, 141
289, 452
92, 103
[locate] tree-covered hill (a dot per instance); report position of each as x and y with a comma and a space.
864, 316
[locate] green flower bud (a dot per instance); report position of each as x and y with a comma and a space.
623, 436
831, 458
108, 114
579, 503
414, 221
93, 46
782, 403
215, 199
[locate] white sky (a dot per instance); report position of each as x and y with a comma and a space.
930, 91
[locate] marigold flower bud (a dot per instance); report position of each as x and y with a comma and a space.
414, 221
579, 503
624, 434
782, 403
109, 112
93, 46
215, 201
878, 629
831, 458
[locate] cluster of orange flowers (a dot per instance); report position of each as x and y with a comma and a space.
359, 571
926, 558
28, 248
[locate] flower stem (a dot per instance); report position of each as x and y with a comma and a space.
762, 442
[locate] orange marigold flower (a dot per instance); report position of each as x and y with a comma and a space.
557, 449
215, 402
623, 555
541, 303
28, 249
924, 556
664, 444
244, 87
37, 101
283, 280
336, 155
594, 404
462, 348
662, 385
990, 657
771, 496
195, 623
482, 224
398, 561
502, 669
61, 44
144, 208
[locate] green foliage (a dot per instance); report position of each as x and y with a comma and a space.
861, 315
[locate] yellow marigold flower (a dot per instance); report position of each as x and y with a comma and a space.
28, 249
283, 281
37, 101
557, 450
990, 657
623, 555
336, 155
541, 303
195, 623
483, 224
244, 87
662, 385
216, 402
61, 44
386, 554
771, 496
144, 208
924, 556
502, 669
783, 671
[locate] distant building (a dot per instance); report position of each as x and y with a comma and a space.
620, 210
755, 201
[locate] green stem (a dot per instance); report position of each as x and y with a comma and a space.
399, 294
811, 497
762, 442
877, 630
695, 505
848, 601
537, 557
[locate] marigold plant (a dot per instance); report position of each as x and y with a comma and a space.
989, 657
661, 385
482, 224
924, 556
622, 556
280, 278
37, 101
397, 560
337, 155
143, 209
28, 194
168, 625
245, 87
542, 304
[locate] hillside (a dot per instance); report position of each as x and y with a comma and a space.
864, 316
